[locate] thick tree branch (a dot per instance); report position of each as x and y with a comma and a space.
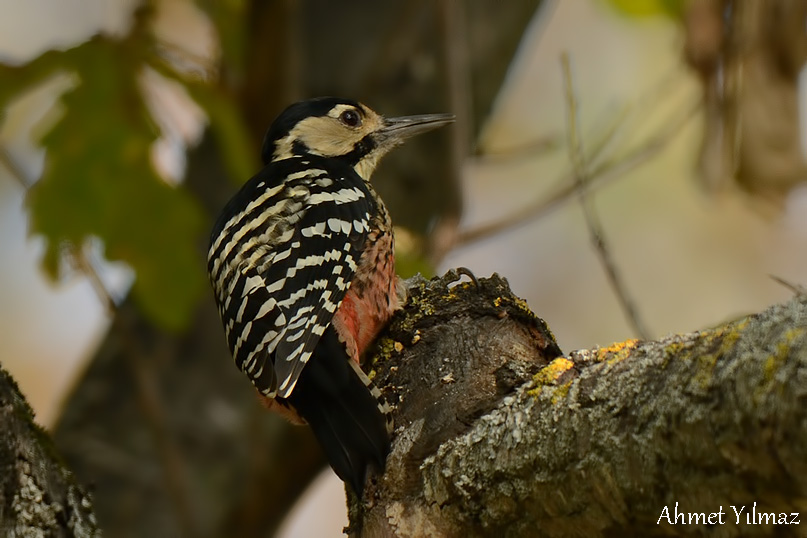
499, 435
38, 495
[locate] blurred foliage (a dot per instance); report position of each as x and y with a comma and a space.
99, 181
99, 178
410, 255
228, 18
648, 8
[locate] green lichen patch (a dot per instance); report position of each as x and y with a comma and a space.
776, 360
715, 345
561, 391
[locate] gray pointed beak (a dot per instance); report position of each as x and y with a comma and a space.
399, 129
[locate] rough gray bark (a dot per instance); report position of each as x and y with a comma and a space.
499, 435
38, 495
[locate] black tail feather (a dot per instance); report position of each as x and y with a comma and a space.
342, 413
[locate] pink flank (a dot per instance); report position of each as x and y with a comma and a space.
372, 298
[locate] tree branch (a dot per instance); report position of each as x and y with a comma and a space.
499, 435
38, 495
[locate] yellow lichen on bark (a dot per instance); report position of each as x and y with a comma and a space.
549, 374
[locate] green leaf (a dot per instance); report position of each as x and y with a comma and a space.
15, 80
99, 181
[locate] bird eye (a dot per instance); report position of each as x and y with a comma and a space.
350, 118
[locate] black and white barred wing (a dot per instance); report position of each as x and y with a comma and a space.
330, 237
292, 273
260, 223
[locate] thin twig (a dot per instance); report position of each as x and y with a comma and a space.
598, 176
573, 139
524, 150
580, 167
87, 267
615, 122
80, 261
797, 289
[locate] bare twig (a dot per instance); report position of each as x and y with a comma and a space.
598, 175
573, 139
86, 266
797, 289
615, 122
580, 167
523, 150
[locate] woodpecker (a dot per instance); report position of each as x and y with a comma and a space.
302, 267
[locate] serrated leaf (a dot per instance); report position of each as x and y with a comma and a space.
99, 181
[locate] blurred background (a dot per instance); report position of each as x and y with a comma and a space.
673, 138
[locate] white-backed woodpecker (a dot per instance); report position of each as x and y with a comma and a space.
302, 267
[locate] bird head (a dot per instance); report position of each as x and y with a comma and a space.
341, 128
